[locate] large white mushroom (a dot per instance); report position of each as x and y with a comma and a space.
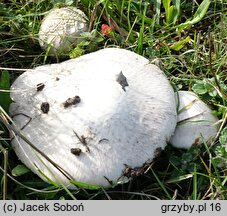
98, 116
61, 30
196, 123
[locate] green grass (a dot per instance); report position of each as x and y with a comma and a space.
186, 38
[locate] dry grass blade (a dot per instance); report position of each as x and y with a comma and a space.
14, 131
5, 153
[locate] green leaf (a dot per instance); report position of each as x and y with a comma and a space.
180, 44
220, 159
161, 184
76, 52
85, 185
5, 99
166, 4
20, 170
4, 81
141, 33
210, 88
176, 10
68, 2
171, 14
199, 88
157, 5
201, 11
179, 178
199, 14
223, 137
172, 11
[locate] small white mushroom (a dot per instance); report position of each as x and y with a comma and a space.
61, 30
196, 123
107, 111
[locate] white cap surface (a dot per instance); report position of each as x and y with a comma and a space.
124, 111
196, 123
61, 30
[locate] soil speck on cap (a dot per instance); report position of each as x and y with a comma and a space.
157, 152
133, 172
76, 151
196, 142
40, 86
122, 80
45, 107
71, 101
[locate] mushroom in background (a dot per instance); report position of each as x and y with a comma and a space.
101, 116
61, 30
195, 121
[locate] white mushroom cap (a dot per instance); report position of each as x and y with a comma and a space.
125, 113
196, 123
61, 29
